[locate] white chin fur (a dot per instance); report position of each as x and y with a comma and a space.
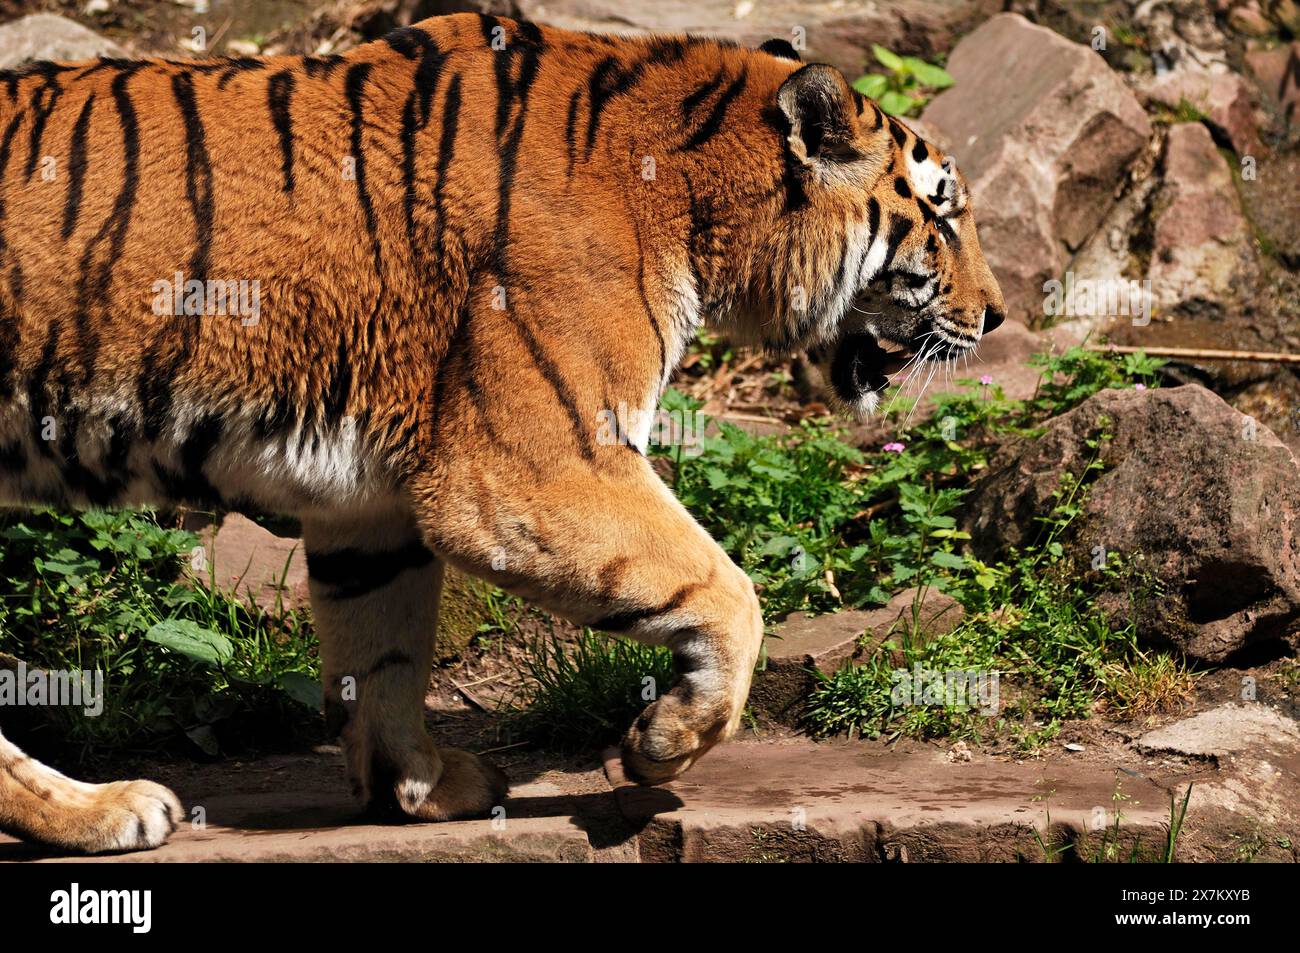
860, 408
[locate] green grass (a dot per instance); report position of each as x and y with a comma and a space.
1112, 843
104, 590
580, 695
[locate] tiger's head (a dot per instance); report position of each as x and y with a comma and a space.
868, 256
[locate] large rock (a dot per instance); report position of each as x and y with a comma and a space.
1277, 71
1202, 239
1226, 100
840, 33
1045, 149
1203, 502
43, 36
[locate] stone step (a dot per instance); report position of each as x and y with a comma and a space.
303, 826
800, 800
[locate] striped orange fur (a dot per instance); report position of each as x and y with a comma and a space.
391, 293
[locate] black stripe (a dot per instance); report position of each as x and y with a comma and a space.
699, 95
552, 375
713, 123
899, 133
951, 234
407, 139
389, 659
119, 64
190, 484
6, 146
352, 573
665, 51
340, 386
527, 51
899, 227
645, 302
76, 169
446, 153
412, 42
94, 280
44, 98
279, 95
501, 67
354, 85
527, 47
38, 398
320, 67
622, 621
700, 239
608, 80
198, 176
234, 67
571, 131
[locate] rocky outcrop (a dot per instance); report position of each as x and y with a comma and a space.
1201, 502
1045, 150
1202, 240
1225, 99
1277, 71
43, 36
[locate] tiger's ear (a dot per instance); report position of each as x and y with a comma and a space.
819, 105
781, 49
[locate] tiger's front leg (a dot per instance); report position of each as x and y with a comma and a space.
607, 545
375, 590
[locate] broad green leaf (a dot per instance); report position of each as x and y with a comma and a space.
192, 640
897, 104
303, 689
886, 58
948, 560
927, 74
872, 86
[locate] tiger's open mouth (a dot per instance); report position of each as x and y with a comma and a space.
863, 363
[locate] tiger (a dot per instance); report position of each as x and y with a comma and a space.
390, 292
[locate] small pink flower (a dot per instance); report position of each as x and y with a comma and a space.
894, 447
1139, 386
986, 379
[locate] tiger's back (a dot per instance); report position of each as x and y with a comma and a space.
231, 282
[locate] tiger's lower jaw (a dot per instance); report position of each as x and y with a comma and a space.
859, 373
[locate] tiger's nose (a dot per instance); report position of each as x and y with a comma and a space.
993, 319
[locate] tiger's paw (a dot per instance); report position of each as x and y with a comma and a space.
466, 787
669, 737
118, 816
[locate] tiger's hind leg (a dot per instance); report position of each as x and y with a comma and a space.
39, 804
608, 545
375, 590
